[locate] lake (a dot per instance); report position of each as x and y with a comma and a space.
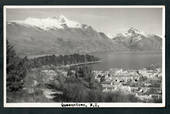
127, 59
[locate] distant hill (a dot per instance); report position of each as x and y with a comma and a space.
59, 35
137, 40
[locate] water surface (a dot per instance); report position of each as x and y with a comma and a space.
127, 60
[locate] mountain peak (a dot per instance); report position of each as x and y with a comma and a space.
62, 19
131, 33
49, 22
133, 30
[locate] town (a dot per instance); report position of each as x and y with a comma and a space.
144, 84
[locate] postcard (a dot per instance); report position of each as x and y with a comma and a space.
84, 56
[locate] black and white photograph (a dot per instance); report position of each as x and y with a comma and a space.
84, 56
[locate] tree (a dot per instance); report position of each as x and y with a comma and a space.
16, 70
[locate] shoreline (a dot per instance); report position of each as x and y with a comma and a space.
78, 64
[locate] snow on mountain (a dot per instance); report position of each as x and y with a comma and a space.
133, 31
136, 39
49, 23
110, 35
73, 24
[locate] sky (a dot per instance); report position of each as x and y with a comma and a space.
111, 21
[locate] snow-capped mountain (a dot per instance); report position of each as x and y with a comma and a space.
60, 35
49, 23
138, 40
56, 35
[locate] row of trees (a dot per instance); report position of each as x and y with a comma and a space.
62, 60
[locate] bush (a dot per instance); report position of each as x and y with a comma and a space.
74, 91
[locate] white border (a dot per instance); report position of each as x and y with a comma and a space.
87, 104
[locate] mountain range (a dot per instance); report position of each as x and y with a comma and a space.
59, 35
